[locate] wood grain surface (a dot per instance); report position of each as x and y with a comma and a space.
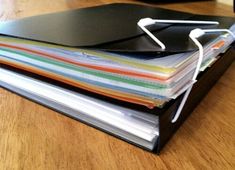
34, 137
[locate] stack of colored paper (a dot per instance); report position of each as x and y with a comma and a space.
148, 80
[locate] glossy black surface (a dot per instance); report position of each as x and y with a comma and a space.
110, 27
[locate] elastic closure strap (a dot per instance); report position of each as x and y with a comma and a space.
142, 23
194, 35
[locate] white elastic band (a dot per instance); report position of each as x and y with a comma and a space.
153, 37
194, 34
200, 59
186, 22
142, 23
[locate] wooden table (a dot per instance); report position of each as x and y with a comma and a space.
34, 137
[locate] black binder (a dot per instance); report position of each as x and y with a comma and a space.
112, 27
122, 35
